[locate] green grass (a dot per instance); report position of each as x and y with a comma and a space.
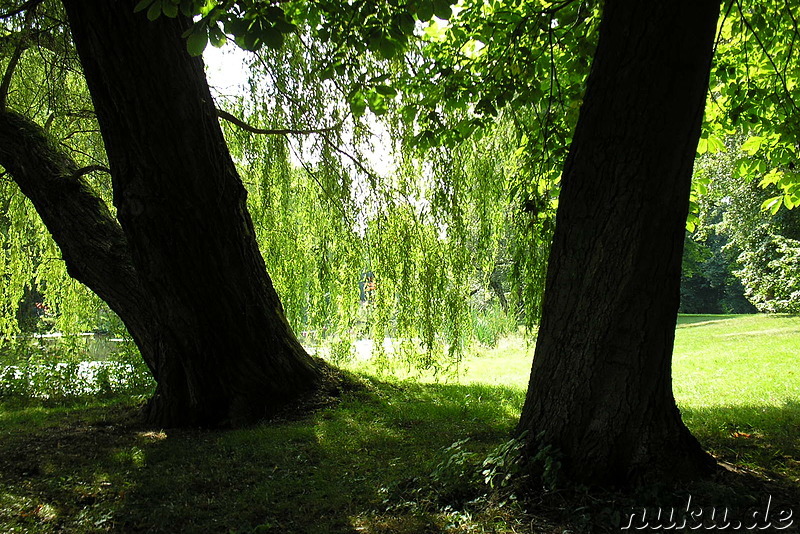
737, 382
376, 462
331, 472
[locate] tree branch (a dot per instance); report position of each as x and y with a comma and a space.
30, 4
91, 168
278, 131
93, 246
5, 84
353, 159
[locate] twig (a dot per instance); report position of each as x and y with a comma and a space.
331, 198
352, 158
30, 4
91, 168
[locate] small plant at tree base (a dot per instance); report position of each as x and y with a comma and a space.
455, 477
504, 464
546, 464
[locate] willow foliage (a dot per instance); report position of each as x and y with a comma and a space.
353, 173
432, 226
48, 87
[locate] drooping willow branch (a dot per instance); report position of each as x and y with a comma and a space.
288, 131
5, 84
272, 131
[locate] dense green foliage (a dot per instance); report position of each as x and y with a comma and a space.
739, 247
746, 179
453, 235
709, 283
755, 90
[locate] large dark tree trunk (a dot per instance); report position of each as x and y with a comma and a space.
228, 353
601, 385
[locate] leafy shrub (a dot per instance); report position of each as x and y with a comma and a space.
455, 477
52, 375
771, 275
461, 476
504, 464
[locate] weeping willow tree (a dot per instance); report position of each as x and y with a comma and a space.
442, 225
440, 220
439, 217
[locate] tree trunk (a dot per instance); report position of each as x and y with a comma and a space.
229, 352
497, 287
601, 386
91, 241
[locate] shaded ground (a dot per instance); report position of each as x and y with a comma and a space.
381, 461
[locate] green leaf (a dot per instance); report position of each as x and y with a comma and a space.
197, 42
274, 13
249, 41
141, 6
425, 10
284, 27
772, 204
358, 104
271, 37
406, 23
410, 113
772, 177
155, 10
752, 144
742, 168
387, 48
386, 90
715, 144
377, 103
187, 8
236, 27
691, 222
169, 9
217, 37
701, 187
442, 9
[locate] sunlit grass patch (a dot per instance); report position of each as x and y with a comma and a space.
738, 361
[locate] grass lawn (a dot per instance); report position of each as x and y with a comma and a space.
381, 460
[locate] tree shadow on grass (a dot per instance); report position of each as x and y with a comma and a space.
77, 468
331, 472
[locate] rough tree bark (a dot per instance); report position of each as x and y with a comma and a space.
227, 353
601, 386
